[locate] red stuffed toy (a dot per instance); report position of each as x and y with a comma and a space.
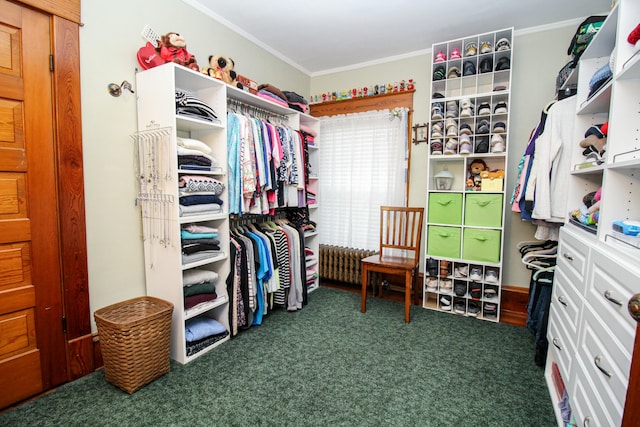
174, 49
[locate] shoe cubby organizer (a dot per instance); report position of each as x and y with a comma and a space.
469, 128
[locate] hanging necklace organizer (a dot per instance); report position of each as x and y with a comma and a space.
153, 171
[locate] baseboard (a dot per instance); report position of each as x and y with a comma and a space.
513, 307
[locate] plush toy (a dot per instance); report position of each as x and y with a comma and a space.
221, 68
475, 169
174, 49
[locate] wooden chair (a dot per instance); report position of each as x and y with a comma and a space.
400, 237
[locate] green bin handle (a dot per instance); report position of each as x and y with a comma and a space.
444, 203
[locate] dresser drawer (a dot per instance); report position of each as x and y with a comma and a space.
573, 252
566, 302
561, 345
608, 292
587, 407
606, 364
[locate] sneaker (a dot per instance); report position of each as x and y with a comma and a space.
452, 109
432, 267
460, 288
436, 130
486, 66
451, 146
467, 111
455, 54
485, 47
452, 130
499, 127
436, 111
468, 68
483, 127
445, 303
444, 268
503, 64
484, 109
446, 286
465, 129
460, 307
500, 88
497, 143
438, 73
473, 309
475, 274
490, 292
465, 144
491, 276
500, 108
436, 147
437, 95
475, 290
470, 49
440, 57
490, 310
461, 271
503, 44
432, 284
482, 144
453, 72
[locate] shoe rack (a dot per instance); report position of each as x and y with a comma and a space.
468, 145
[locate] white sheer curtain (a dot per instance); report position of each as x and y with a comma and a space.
362, 167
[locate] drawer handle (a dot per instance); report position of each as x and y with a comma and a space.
444, 202
555, 343
607, 295
587, 421
481, 238
567, 256
483, 204
562, 301
596, 360
445, 235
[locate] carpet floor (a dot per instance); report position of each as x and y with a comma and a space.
328, 364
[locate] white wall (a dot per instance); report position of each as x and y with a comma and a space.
538, 56
109, 41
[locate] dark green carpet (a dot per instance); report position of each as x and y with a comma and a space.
328, 364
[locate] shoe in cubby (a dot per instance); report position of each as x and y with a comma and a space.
446, 285
452, 109
491, 275
475, 273
475, 290
482, 144
439, 73
486, 65
473, 309
445, 302
455, 54
500, 108
445, 268
436, 130
460, 288
503, 64
460, 306
499, 127
432, 284
468, 68
503, 45
454, 72
440, 57
484, 109
490, 310
483, 127
436, 147
490, 292
470, 49
465, 145
432, 266
465, 129
437, 111
497, 143
451, 146
461, 271
486, 47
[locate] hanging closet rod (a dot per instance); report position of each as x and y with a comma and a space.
235, 104
255, 219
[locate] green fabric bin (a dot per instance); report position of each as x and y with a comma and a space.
443, 242
483, 210
481, 245
445, 208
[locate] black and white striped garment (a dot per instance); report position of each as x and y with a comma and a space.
188, 105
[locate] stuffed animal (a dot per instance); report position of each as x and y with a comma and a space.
221, 68
173, 48
475, 169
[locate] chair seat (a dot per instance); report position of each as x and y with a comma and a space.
390, 262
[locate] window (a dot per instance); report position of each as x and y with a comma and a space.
362, 167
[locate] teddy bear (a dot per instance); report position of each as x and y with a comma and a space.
173, 48
476, 167
222, 68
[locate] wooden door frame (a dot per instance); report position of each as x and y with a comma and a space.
65, 50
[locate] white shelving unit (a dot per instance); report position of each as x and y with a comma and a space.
465, 225
591, 333
162, 222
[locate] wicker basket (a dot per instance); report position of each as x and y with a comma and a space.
135, 339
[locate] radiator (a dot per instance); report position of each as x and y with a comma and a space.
342, 264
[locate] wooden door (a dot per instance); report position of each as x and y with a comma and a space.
32, 341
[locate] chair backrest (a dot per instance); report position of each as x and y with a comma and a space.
401, 229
